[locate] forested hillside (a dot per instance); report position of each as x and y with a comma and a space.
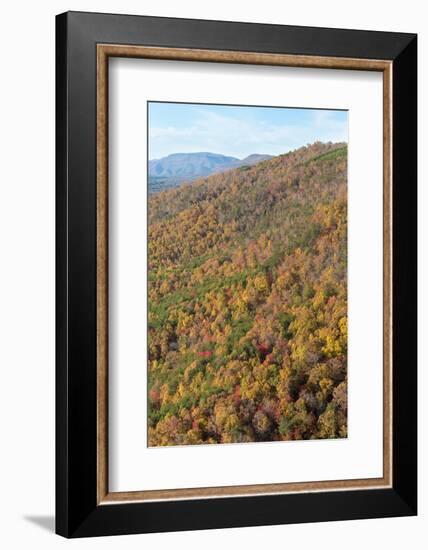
248, 303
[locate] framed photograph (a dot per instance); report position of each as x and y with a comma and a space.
236, 274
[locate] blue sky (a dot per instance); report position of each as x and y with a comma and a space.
239, 131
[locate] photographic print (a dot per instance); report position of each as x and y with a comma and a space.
247, 274
236, 274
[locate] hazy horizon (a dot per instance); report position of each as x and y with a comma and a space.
209, 153
239, 131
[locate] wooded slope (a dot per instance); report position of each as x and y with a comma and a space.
248, 303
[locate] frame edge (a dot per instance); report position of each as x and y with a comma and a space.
61, 267
405, 274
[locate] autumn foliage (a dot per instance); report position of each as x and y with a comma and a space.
248, 303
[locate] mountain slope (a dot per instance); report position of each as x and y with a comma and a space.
253, 159
190, 165
172, 170
248, 303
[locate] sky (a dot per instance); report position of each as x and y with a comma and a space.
239, 131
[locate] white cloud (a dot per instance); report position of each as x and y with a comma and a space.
239, 137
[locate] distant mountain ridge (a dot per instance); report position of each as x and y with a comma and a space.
173, 169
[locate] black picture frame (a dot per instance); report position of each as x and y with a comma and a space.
77, 511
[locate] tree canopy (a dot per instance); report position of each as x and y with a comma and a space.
248, 303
